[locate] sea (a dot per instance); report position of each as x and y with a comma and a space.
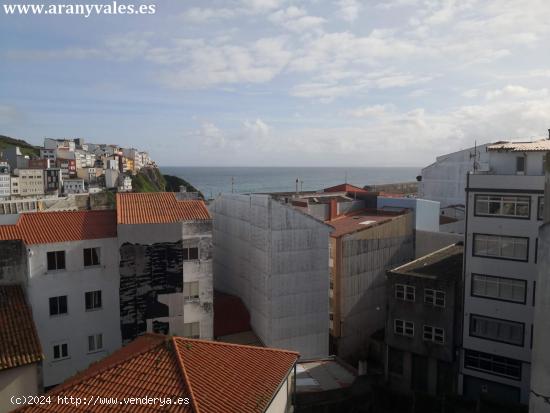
212, 181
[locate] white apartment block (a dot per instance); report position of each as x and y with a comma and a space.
504, 213
30, 182
71, 283
5, 186
73, 186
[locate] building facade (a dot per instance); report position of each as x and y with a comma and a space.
30, 182
503, 216
165, 248
275, 258
423, 323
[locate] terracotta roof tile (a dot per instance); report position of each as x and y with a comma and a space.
216, 377
534, 146
158, 208
19, 343
52, 227
344, 188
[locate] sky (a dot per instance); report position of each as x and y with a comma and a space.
282, 82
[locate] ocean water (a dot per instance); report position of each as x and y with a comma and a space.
212, 181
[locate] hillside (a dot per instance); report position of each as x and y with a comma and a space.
26, 148
150, 179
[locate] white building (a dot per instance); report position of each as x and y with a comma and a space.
70, 270
73, 186
166, 248
30, 182
111, 178
125, 183
503, 215
276, 259
5, 186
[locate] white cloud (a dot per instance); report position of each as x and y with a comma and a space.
296, 19
373, 111
202, 15
349, 9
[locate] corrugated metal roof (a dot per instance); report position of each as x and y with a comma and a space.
534, 146
158, 208
19, 343
60, 226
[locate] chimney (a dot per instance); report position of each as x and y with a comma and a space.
333, 209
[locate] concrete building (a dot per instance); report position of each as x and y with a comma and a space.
30, 182
423, 323
5, 186
68, 263
17, 206
53, 181
364, 245
73, 186
66, 144
67, 167
14, 157
275, 258
124, 183
166, 283
540, 358
20, 351
503, 216
444, 181
196, 375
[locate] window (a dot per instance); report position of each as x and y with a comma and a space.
520, 164
60, 351
499, 288
95, 343
435, 334
495, 329
434, 297
58, 305
405, 292
190, 254
91, 257
93, 300
56, 260
500, 246
191, 291
540, 208
191, 330
500, 366
503, 206
403, 328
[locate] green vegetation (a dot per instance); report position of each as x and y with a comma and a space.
151, 180
26, 148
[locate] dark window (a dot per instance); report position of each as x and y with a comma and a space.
93, 300
190, 254
520, 164
501, 247
499, 288
505, 331
58, 305
56, 260
60, 351
490, 363
91, 257
503, 206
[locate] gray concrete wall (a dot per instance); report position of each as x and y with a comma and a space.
275, 258
427, 242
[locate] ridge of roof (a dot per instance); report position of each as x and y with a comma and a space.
183, 370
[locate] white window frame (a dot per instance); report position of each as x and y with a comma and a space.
433, 334
95, 338
499, 242
403, 327
94, 295
60, 345
499, 282
98, 253
188, 295
192, 326
500, 201
434, 297
405, 292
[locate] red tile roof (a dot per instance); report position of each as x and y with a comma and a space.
230, 315
216, 377
344, 188
19, 344
52, 227
158, 208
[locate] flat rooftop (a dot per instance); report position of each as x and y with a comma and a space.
360, 220
443, 263
323, 375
